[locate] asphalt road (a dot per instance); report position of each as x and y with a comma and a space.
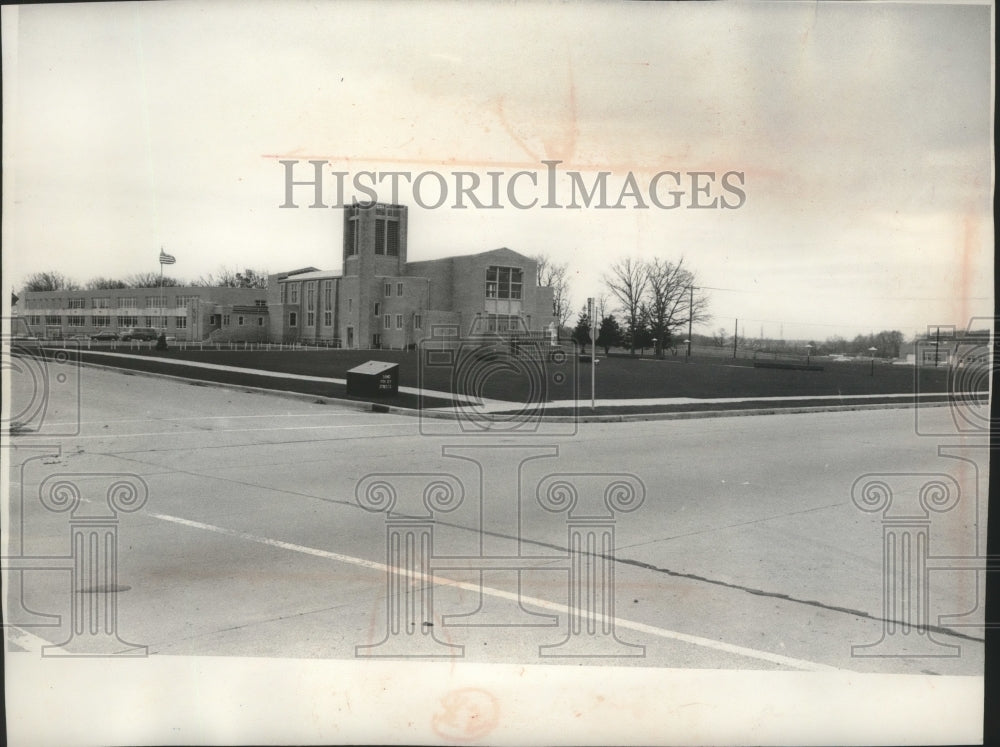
747, 552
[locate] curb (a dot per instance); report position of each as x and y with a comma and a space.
379, 407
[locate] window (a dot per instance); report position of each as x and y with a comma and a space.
388, 289
399, 289
126, 302
350, 304
399, 321
311, 304
53, 319
185, 300
148, 321
293, 319
74, 303
76, 321
36, 319
284, 293
260, 321
503, 282
128, 321
260, 304
98, 321
239, 321
503, 323
226, 320
392, 238
418, 321
327, 303
378, 309
387, 237
351, 237
155, 302
180, 322
293, 293
385, 321
160, 322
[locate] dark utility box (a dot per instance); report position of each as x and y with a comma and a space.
373, 379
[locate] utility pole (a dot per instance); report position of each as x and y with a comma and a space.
690, 317
736, 332
937, 345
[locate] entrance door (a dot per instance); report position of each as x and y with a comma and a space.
377, 341
350, 338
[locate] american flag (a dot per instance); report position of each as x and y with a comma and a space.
166, 259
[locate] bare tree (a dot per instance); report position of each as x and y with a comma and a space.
556, 277
103, 283
151, 280
672, 299
228, 277
49, 281
627, 282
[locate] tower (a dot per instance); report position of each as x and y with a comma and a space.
374, 253
374, 239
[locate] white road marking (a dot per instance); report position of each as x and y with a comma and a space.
729, 648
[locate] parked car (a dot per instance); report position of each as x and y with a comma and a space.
78, 337
104, 334
140, 333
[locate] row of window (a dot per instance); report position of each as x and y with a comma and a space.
501, 282
290, 293
99, 320
386, 237
227, 320
418, 321
123, 302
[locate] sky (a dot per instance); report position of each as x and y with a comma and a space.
861, 134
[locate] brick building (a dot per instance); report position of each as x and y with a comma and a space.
184, 312
381, 299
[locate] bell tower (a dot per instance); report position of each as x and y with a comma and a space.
374, 239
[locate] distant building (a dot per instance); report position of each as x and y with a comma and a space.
381, 299
949, 347
184, 312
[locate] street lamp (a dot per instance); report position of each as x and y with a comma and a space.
872, 351
654, 347
688, 343
808, 352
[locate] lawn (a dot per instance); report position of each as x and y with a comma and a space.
554, 378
